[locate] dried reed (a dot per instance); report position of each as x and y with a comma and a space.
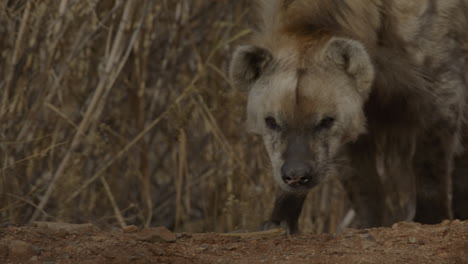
120, 112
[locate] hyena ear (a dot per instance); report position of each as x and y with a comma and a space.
355, 60
247, 65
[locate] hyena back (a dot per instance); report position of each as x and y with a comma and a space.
374, 91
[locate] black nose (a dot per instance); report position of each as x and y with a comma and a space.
296, 173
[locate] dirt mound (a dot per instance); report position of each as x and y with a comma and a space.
66, 243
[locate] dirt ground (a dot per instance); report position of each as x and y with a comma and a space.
54, 243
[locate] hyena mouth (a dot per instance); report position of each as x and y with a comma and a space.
298, 175
297, 181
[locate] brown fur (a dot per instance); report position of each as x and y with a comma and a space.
396, 69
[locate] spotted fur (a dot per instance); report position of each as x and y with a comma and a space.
393, 77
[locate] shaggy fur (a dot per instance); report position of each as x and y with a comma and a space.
392, 78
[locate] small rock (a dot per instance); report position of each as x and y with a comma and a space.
367, 244
443, 255
98, 238
133, 258
367, 237
130, 229
407, 225
21, 250
109, 254
65, 228
62, 233
158, 251
231, 247
33, 259
184, 235
202, 248
157, 234
445, 222
412, 240
388, 244
395, 226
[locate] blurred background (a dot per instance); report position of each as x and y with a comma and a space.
120, 112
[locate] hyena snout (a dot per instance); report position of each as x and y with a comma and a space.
296, 174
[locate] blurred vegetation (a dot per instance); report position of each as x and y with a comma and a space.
120, 112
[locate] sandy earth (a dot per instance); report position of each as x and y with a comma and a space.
54, 243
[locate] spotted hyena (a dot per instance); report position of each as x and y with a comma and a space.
374, 91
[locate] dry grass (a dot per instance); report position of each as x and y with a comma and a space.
120, 112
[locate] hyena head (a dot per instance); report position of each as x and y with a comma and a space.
306, 104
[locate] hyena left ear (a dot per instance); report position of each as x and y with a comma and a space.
355, 60
247, 65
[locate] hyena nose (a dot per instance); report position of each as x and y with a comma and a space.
296, 173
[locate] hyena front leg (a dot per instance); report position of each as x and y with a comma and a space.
460, 177
363, 185
288, 207
367, 201
460, 187
434, 165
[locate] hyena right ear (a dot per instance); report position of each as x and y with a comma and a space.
247, 65
352, 56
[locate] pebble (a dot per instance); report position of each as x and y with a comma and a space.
130, 229
411, 225
98, 238
231, 247
184, 235
156, 234
367, 237
202, 248
446, 222
158, 251
367, 244
412, 240
33, 259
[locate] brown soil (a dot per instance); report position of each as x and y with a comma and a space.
403, 243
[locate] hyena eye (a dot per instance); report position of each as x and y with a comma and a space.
326, 123
272, 124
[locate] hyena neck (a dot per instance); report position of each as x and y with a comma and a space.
400, 93
281, 19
